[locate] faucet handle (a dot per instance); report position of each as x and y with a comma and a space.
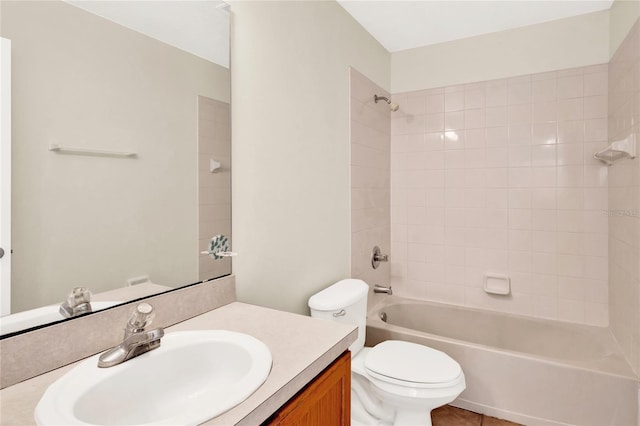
78, 302
141, 317
377, 257
78, 296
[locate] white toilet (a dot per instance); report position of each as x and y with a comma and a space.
395, 382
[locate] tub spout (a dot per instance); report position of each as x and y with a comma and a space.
382, 289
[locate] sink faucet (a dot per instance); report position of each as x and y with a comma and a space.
78, 302
137, 340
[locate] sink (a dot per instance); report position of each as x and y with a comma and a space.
39, 316
192, 377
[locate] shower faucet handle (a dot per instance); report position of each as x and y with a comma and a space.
381, 257
377, 257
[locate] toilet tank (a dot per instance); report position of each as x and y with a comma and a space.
346, 302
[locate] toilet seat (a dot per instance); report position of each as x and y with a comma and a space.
411, 365
403, 394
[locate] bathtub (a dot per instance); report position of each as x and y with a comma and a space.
527, 370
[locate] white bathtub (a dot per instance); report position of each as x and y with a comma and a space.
527, 370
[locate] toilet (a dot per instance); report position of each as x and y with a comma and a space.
395, 382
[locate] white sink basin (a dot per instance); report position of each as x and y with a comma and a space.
39, 316
194, 376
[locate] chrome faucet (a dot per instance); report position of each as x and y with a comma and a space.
137, 340
382, 289
78, 302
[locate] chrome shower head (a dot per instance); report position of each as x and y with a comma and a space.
392, 106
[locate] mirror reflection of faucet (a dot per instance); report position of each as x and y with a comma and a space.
137, 339
78, 302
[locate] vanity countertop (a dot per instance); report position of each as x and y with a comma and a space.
301, 348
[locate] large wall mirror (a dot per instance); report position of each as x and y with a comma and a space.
121, 145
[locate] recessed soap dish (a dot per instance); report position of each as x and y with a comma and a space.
497, 283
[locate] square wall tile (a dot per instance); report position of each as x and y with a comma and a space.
507, 183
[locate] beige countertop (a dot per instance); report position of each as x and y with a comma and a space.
301, 348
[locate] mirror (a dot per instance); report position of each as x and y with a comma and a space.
120, 172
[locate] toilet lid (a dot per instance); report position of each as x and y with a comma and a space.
411, 362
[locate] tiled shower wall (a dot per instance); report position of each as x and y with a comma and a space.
624, 198
370, 179
499, 176
214, 189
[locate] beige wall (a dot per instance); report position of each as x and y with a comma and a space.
622, 16
83, 81
624, 199
565, 43
370, 177
290, 124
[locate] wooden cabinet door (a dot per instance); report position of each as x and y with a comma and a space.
326, 401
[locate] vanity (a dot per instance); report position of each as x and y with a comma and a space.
309, 378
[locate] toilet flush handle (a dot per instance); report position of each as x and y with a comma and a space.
340, 313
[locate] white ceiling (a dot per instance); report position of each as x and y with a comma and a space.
200, 27
400, 25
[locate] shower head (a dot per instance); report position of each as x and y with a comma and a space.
392, 106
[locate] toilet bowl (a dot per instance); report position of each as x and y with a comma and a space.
410, 379
395, 382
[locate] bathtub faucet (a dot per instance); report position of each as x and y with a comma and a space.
382, 289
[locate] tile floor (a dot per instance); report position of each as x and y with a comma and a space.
452, 416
